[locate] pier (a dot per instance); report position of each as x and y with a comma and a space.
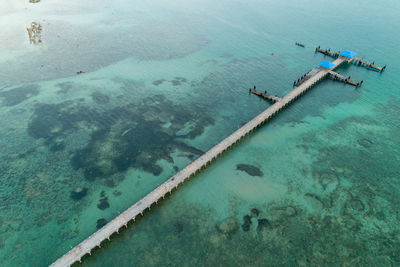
338, 77
266, 96
351, 59
129, 215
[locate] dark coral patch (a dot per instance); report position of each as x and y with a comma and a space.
365, 142
249, 169
130, 136
263, 223
100, 223
246, 223
18, 95
178, 81
103, 203
158, 82
255, 212
79, 193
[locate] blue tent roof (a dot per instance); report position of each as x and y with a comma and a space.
348, 54
326, 64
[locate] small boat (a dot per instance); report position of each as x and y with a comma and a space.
299, 44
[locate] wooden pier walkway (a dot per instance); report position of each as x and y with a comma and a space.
327, 52
339, 77
266, 96
95, 240
362, 62
354, 60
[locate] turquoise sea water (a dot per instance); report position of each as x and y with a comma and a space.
164, 82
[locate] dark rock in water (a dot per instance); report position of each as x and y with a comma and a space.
178, 81
365, 142
246, 223
175, 83
100, 223
102, 193
255, 212
249, 169
228, 226
79, 193
158, 82
263, 223
18, 95
103, 203
176, 168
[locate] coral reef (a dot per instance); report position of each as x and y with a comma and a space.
122, 137
18, 95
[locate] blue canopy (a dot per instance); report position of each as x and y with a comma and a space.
348, 54
326, 64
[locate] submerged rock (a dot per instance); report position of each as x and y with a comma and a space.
365, 142
103, 203
158, 82
263, 223
249, 169
228, 226
79, 193
255, 212
100, 223
246, 223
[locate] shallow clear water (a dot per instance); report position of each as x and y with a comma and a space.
165, 81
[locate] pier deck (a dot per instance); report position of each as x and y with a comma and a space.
266, 96
86, 246
354, 60
337, 76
